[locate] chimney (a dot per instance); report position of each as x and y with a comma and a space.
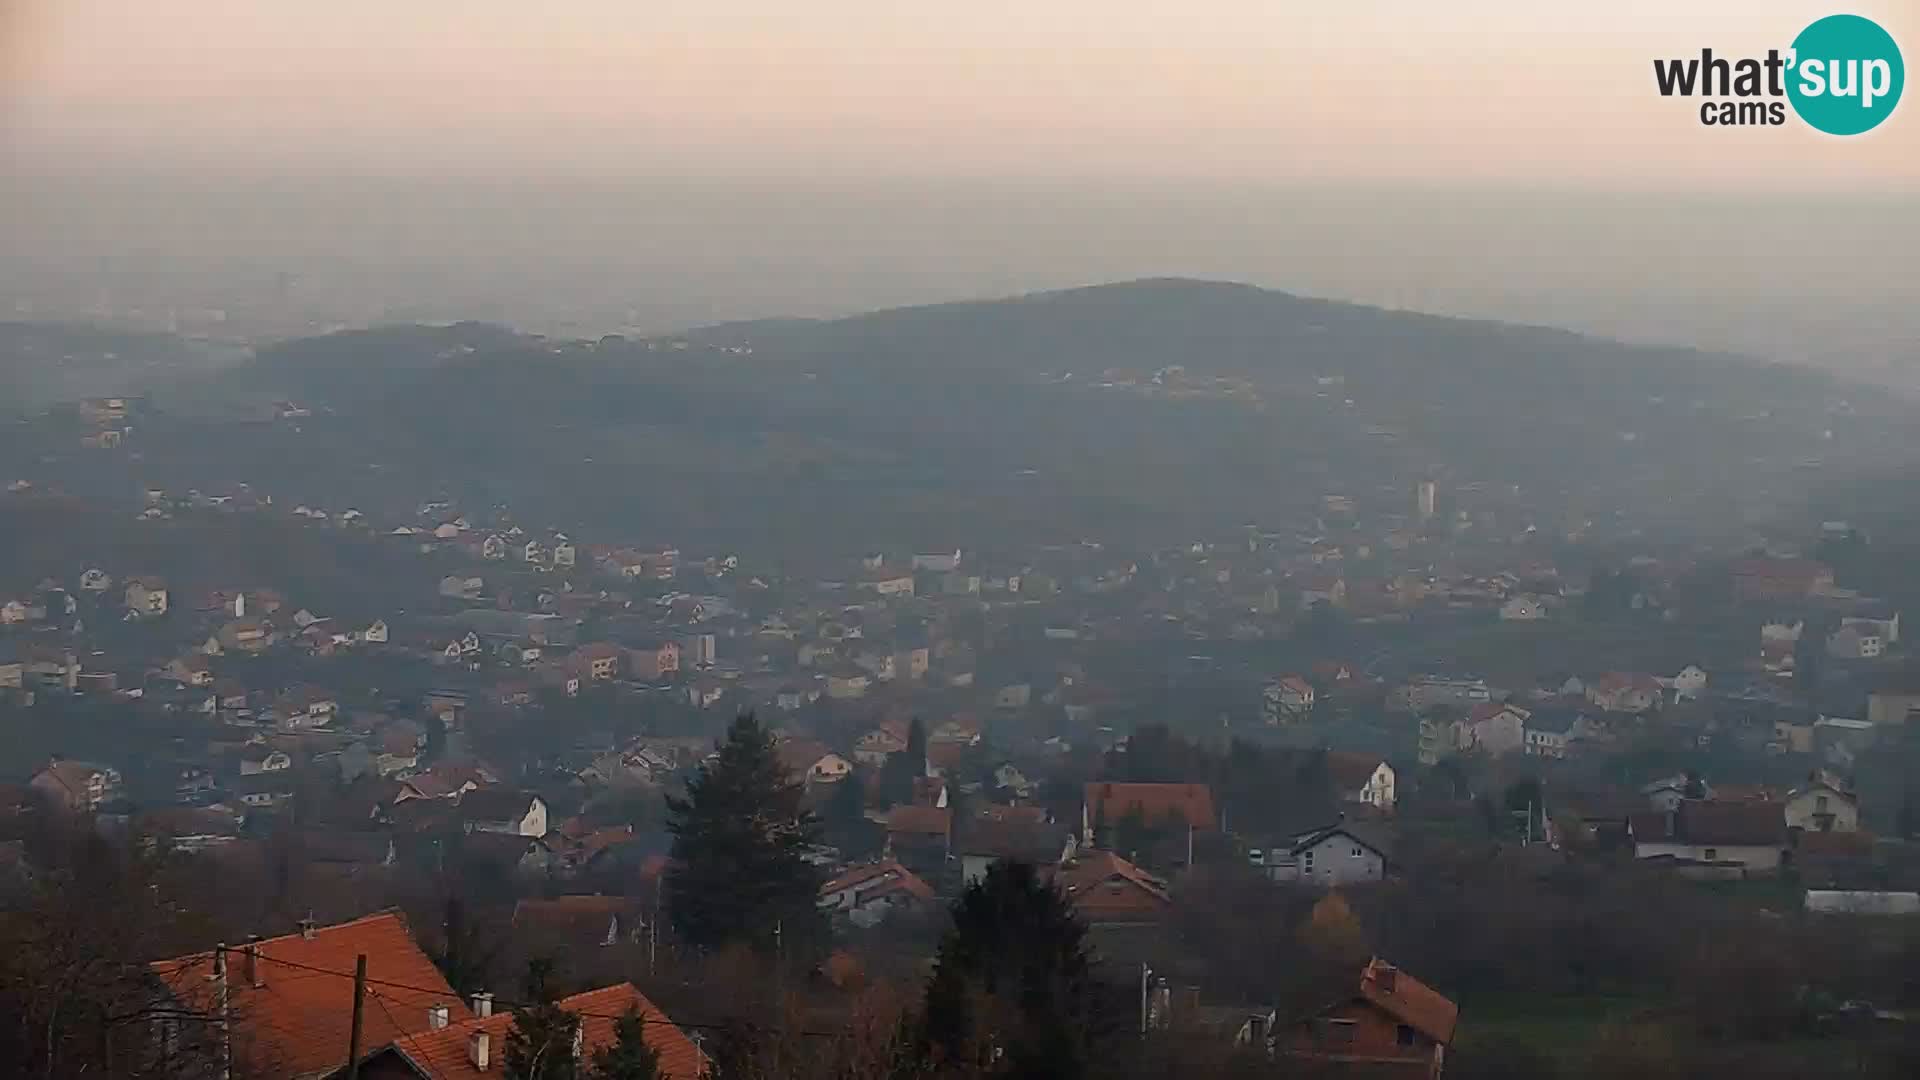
307, 926
483, 1003
250, 961
579, 1042
436, 1017
479, 1048
1385, 976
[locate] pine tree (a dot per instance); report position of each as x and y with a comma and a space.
540, 1044
629, 1057
1013, 984
738, 874
902, 769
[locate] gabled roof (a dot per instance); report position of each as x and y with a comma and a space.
497, 803
920, 821
1701, 822
1106, 888
444, 1055
1351, 771
1194, 802
584, 917
1409, 1000
295, 1022
1373, 839
881, 878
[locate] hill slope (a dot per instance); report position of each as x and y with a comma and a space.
1160, 408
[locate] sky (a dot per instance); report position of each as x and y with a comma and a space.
1465, 91
1491, 157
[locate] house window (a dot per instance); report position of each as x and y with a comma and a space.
1307, 860
1712, 854
1403, 1035
1357, 852
1819, 804
1339, 1032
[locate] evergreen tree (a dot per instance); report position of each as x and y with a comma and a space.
1012, 989
738, 840
540, 1043
629, 1058
902, 769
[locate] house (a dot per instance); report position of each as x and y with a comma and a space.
1107, 890
885, 582
462, 587
812, 762
1741, 837
503, 810
653, 660
1687, 684
1780, 579
1365, 779
291, 997
307, 707
1855, 643
847, 683
194, 669
920, 836
597, 662
866, 895
1339, 854
1104, 804
1430, 691
1523, 608
1877, 619
96, 580
146, 596
873, 748
985, 842
939, 563
1549, 732
564, 553
1823, 804
474, 1047
263, 759
1624, 692
1391, 1022
579, 923
76, 786
376, 633
1494, 730
249, 635
1287, 699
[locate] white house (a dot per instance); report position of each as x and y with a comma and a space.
1363, 779
1855, 642
504, 810
1286, 700
1823, 804
1743, 837
1336, 855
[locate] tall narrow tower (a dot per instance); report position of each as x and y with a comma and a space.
1423, 499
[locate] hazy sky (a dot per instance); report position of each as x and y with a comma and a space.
1552, 92
577, 165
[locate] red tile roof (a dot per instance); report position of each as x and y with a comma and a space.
1409, 1000
1194, 802
295, 1023
444, 1054
1107, 888
920, 821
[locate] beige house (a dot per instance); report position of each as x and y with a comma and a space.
1823, 804
146, 596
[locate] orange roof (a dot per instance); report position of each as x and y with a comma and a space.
920, 820
1409, 1000
444, 1054
1107, 888
903, 880
295, 1022
1194, 802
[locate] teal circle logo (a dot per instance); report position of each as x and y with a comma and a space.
1845, 75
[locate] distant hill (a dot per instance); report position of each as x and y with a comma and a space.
1159, 408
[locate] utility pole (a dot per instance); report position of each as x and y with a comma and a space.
359, 1010
221, 994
